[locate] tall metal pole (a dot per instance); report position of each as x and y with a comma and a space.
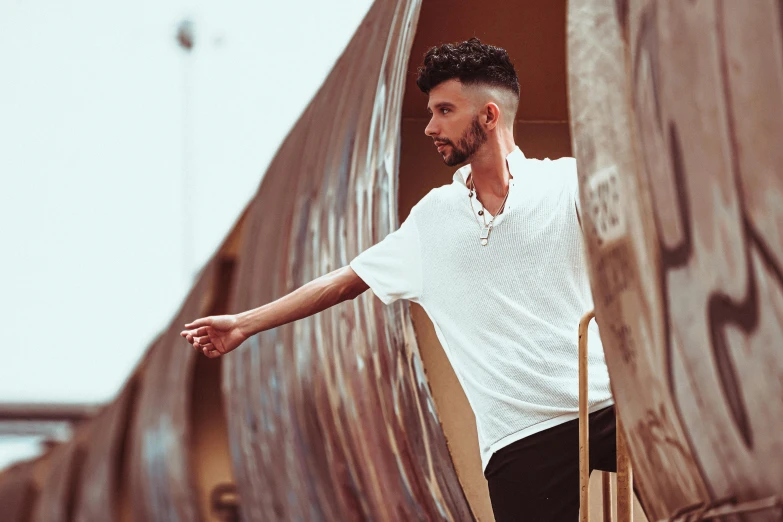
185, 39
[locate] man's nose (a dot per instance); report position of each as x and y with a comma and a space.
430, 130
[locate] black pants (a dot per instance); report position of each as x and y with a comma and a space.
537, 478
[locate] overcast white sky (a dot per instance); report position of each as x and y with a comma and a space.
124, 161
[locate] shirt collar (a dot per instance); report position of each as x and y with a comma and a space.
514, 159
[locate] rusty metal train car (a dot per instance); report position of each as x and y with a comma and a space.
677, 113
673, 111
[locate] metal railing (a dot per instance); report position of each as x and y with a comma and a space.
624, 470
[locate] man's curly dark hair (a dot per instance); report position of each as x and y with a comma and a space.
471, 62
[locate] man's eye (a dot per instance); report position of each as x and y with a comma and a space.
444, 111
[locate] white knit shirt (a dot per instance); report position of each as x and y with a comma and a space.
507, 313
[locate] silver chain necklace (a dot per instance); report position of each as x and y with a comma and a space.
487, 227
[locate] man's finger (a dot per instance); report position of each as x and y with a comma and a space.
192, 334
200, 332
204, 321
203, 340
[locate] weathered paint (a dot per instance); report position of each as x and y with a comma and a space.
163, 483
103, 483
331, 417
18, 492
55, 503
677, 117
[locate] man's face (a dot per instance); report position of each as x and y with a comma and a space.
454, 126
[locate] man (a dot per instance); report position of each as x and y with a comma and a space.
495, 258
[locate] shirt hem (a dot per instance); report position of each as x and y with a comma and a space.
539, 427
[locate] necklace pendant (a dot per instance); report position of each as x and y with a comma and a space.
484, 236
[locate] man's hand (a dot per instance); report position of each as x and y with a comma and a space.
215, 335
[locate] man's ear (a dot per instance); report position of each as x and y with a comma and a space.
491, 115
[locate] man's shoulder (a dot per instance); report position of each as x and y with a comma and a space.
556, 172
566, 164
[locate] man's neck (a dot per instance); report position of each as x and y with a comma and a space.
489, 170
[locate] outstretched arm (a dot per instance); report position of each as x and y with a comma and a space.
217, 335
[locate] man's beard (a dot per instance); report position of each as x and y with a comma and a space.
470, 142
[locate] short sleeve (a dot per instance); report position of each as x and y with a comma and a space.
392, 267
